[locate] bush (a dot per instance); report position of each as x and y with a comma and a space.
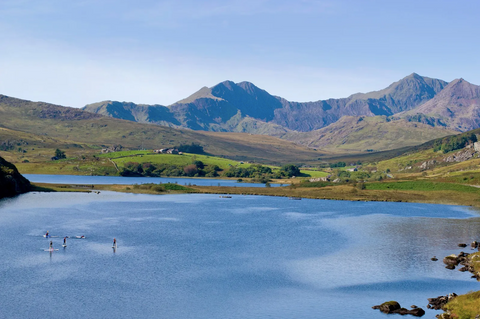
199, 164
60, 154
190, 170
157, 188
174, 187
453, 143
361, 186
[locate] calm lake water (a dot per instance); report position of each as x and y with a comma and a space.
201, 256
76, 179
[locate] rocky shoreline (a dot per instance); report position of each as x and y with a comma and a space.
469, 262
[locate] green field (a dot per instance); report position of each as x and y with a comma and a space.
120, 158
421, 186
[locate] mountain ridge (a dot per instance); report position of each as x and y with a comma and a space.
456, 107
210, 109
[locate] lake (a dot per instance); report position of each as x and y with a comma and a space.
78, 179
202, 256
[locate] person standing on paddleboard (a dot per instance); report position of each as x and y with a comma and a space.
64, 241
46, 235
115, 242
51, 244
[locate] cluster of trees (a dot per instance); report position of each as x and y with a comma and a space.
199, 169
453, 143
190, 148
338, 164
261, 172
343, 164
196, 169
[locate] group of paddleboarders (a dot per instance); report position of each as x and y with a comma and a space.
47, 235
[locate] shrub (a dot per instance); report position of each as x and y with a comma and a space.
157, 188
60, 154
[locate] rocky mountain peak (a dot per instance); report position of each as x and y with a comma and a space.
460, 88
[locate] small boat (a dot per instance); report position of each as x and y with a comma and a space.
295, 198
225, 196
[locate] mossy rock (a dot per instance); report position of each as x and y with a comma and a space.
389, 306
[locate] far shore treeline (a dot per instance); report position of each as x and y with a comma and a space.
199, 169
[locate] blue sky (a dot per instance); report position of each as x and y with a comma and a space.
158, 52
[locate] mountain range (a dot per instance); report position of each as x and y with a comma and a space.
409, 112
222, 107
31, 131
437, 107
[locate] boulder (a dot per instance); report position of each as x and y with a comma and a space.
450, 260
440, 301
388, 306
391, 307
416, 312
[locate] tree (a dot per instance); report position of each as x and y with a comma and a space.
291, 170
190, 170
199, 164
60, 154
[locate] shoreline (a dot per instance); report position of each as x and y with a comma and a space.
338, 192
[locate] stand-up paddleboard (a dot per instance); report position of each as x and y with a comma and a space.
79, 237
51, 249
49, 236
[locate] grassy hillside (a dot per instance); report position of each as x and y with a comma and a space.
361, 134
69, 126
170, 159
113, 163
